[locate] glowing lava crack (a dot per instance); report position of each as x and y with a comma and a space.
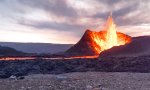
93, 43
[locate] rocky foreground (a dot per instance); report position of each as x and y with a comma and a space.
109, 73
80, 81
39, 66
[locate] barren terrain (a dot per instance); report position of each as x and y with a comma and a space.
80, 81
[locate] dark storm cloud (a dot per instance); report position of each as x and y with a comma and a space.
58, 7
125, 10
122, 11
110, 2
61, 8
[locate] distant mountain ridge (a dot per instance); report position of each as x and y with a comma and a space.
7, 51
37, 47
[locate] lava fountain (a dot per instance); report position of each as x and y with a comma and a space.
93, 43
111, 36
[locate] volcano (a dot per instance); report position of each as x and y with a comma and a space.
93, 43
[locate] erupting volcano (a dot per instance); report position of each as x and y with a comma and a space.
93, 43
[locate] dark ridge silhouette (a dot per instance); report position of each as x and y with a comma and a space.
37, 47
138, 47
84, 46
7, 51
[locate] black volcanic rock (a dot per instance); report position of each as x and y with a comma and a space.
84, 46
41, 66
138, 47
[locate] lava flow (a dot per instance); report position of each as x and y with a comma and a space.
93, 43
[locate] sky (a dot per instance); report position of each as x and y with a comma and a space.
65, 21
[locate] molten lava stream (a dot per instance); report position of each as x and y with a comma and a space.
80, 57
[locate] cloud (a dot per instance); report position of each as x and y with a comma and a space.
123, 8
58, 7
53, 25
74, 16
110, 2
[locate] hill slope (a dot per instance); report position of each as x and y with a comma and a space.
138, 47
7, 51
37, 47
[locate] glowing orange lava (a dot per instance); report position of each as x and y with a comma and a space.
110, 37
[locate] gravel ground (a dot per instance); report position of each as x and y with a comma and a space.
80, 81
